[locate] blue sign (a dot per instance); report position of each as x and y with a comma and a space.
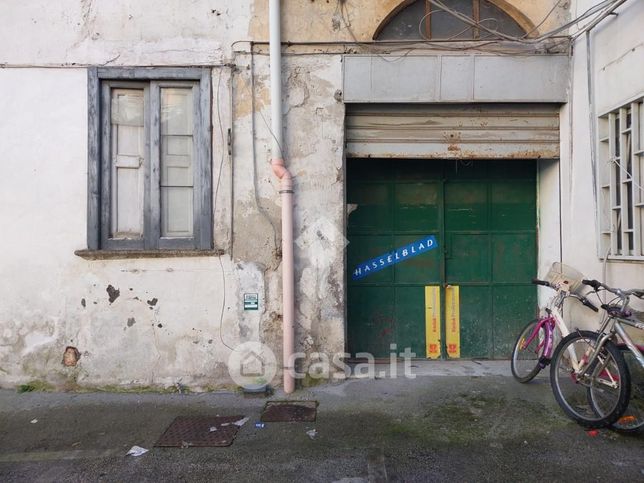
399, 255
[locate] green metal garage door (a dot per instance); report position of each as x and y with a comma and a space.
483, 217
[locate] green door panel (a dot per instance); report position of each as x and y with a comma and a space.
374, 207
468, 258
411, 319
416, 170
466, 206
483, 215
514, 257
417, 207
513, 205
423, 269
374, 308
476, 313
513, 306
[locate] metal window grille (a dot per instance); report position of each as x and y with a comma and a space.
621, 179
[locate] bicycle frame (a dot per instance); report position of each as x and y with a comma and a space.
554, 318
632, 346
612, 326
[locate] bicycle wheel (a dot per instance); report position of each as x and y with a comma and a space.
633, 418
598, 396
527, 352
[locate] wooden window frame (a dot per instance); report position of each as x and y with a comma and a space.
100, 82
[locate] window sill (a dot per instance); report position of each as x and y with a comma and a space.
623, 259
134, 254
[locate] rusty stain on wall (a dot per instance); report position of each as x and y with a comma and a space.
70, 356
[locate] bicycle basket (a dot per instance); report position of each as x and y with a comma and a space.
563, 275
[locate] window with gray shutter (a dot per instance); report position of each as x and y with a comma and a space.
149, 150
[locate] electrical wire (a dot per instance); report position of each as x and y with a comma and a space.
341, 6
223, 305
460, 46
221, 166
255, 187
470, 21
536, 27
266, 123
590, 25
221, 136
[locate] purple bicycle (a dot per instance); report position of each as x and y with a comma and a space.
535, 345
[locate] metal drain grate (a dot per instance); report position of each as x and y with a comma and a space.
289, 411
200, 431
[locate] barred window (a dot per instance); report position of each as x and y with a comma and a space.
621, 179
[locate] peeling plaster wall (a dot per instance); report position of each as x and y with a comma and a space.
314, 139
174, 319
162, 323
106, 32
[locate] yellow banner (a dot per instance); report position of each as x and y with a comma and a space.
453, 321
433, 321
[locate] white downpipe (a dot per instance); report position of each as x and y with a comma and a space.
286, 193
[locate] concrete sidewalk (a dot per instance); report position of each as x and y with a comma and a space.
456, 421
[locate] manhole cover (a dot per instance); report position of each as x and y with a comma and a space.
283, 411
200, 431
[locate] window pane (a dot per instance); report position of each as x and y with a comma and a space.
177, 185
404, 26
494, 18
444, 25
127, 147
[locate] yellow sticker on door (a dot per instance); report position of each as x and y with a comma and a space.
432, 321
453, 321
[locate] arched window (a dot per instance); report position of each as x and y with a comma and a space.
422, 20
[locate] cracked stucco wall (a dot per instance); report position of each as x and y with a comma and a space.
174, 319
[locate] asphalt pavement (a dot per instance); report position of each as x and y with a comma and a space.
455, 421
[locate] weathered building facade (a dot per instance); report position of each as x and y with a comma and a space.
146, 234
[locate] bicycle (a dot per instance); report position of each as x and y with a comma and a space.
632, 420
589, 375
534, 347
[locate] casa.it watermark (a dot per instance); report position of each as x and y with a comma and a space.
253, 365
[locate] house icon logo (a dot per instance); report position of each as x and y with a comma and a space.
252, 365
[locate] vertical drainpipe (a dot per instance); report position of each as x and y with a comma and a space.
286, 193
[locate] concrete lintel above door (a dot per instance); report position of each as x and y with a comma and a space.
456, 78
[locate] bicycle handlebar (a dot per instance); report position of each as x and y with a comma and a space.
588, 303
581, 298
596, 284
536, 281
